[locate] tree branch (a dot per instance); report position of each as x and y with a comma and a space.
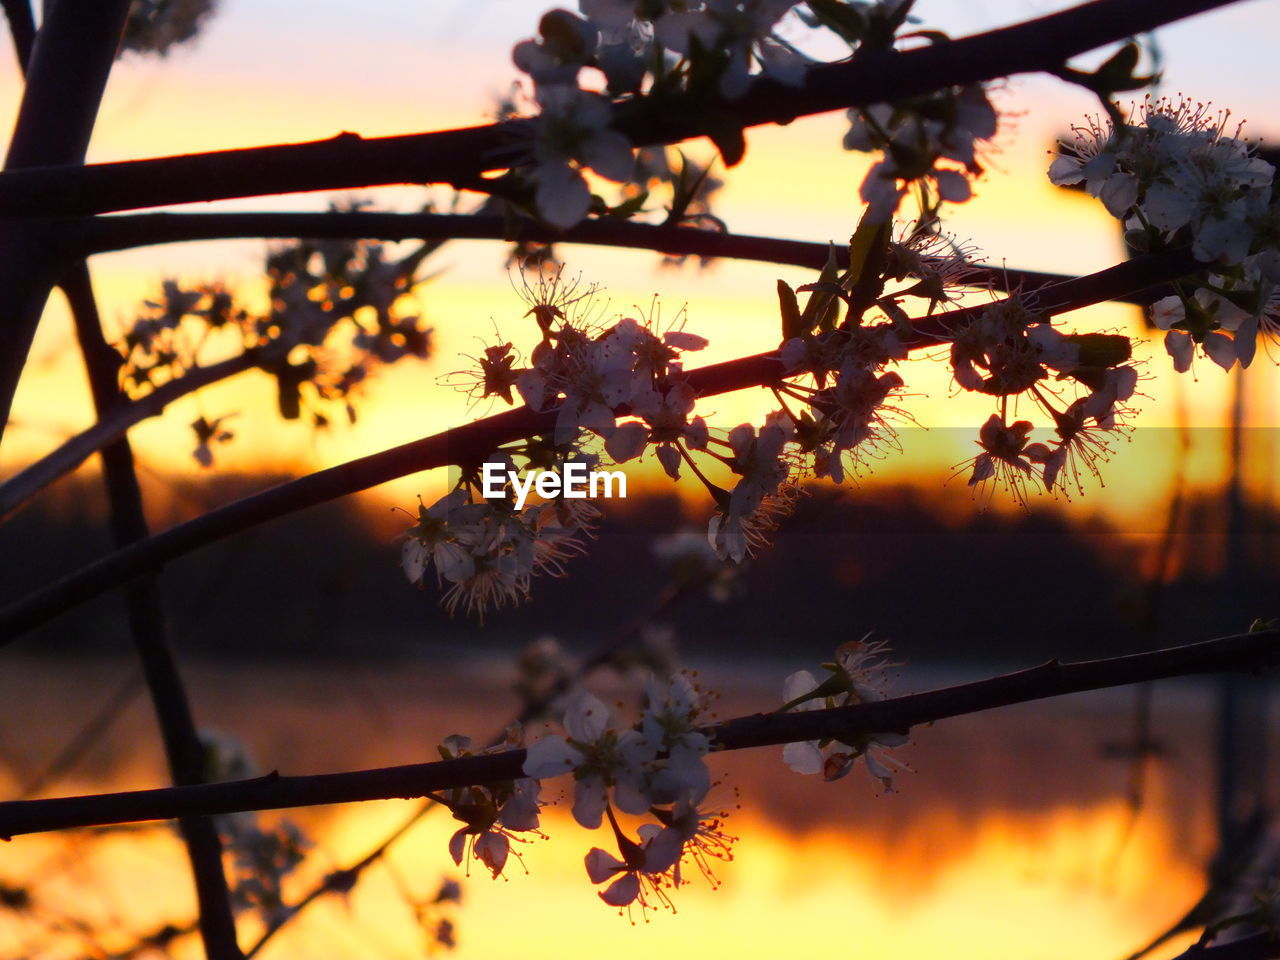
111, 425
22, 28
469, 444
107, 234
116, 233
1250, 652
183, 750
66, 74
459, 156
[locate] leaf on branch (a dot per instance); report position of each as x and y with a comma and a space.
792, 322
821, 309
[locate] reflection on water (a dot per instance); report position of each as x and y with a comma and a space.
1011, 839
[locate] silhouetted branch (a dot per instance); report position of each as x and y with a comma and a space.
22, 28
66, 73
112, 424
104, 234
128, 522
469, 444
115, 233
533, 709
459, 156
1250, 652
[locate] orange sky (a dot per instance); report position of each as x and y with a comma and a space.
377, 77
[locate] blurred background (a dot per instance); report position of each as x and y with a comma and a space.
1066, 829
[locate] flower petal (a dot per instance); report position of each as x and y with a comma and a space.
562, 197
491, 850
590, 798
622, 891
803, 757
1221, 349
458, 845
586, 718
1180, 346
609, 154
627, 442
601, 865
550, 757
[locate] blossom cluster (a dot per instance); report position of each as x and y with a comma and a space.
583, 369
1083, 382
491, 815
656, 768
338, 309
618, 390
931, 143
1176, 174
488, 551
636, 47
709, 51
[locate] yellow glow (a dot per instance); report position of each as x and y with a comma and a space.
731, 303
988, 889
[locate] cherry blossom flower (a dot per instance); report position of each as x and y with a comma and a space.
858, 675
736, 536
634, 878
492, 814
598, 755
1006, 457
1204, 322
667, 424
670, 727
741, 31
854, 417
695, 831
1174, 172
573, 133
915, 140
1008, 350
440, 536
1079, 446
565, 45
488, 552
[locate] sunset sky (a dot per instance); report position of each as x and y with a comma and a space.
975, 874
293, 71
